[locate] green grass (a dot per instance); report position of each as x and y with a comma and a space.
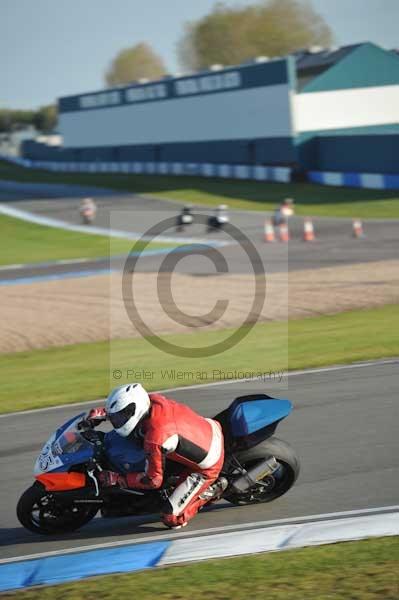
311, 199
24, 242
84, 371
362, 570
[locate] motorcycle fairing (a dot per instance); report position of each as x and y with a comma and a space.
66, 447
60, 482
253, 413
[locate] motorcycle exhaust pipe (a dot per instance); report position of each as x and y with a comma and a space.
254, 475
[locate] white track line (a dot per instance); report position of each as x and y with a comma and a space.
24, 215
208, 531
10, 267
356, 365
64, 261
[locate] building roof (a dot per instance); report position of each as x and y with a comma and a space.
308, 60
363, 65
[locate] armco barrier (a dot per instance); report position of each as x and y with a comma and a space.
362, 180
120, 558
257, 172
225, 171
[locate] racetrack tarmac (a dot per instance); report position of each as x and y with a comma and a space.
334, 244
344, 428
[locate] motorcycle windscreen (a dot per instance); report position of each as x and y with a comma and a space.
247, 418
65, 448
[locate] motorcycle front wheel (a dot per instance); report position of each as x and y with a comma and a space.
38, 511
272, 486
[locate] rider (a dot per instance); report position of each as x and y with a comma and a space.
283, 212
88, 207
169, 430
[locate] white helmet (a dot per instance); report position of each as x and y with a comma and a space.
126, 406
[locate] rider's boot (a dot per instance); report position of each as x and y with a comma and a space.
215, 491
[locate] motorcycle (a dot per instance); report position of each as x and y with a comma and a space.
88, 211
87, 216
184, 218
218, 220
283, 213
67, 492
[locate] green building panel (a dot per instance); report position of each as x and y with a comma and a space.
366, 66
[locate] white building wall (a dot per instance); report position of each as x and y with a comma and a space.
347, 108
245, 113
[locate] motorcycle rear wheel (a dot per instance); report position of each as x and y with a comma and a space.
275, 485
39, 512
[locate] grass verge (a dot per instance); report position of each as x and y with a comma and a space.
363, 570
24, 242
84, 372
311, 199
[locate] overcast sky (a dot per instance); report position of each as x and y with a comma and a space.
51, 48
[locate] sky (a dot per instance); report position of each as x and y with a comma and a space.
53, 48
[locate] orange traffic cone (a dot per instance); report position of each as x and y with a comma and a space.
357, 228
284, 233
308, 230
269, 231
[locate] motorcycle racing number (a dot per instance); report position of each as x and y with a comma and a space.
46, 459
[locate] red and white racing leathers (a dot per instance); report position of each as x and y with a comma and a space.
175, 431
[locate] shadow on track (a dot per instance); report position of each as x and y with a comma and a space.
98, 529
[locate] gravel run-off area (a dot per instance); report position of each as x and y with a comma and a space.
68, 311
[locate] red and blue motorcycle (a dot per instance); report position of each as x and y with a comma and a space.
67, 492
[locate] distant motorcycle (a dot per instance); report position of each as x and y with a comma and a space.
88, 210
283, 212
219, 219
184, 218
67, 492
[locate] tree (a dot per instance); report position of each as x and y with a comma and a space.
11, 120
46, 118
231, 35
134, 63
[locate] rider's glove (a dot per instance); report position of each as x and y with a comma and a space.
110, 479
97, 414
136, 480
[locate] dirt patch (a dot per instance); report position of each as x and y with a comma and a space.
56, 313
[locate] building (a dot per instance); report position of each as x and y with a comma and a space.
240, 115
347, 116
319, 110
11, 142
